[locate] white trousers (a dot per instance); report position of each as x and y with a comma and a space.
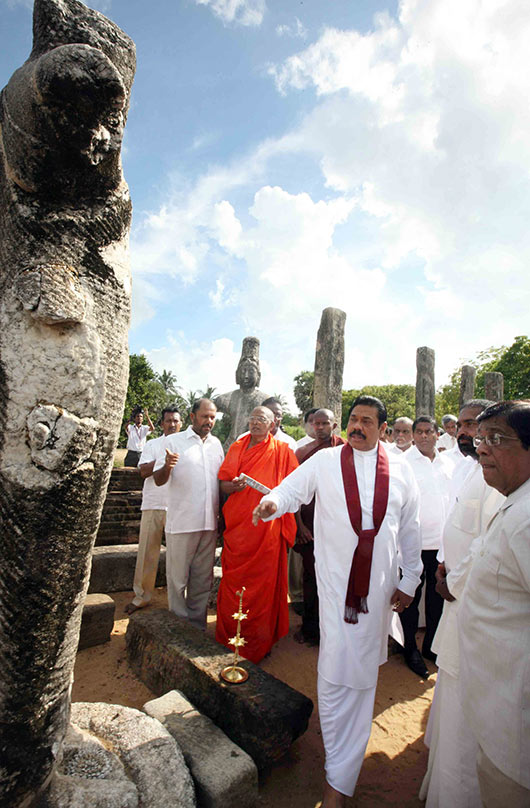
498, 790
151, 531
295, 573
451, 779
346, 722
189, 572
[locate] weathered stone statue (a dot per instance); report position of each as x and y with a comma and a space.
329, 362
467, 384
494, 386
239, 403
64, 312
424, 382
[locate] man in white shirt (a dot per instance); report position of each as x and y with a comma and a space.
448, 439
402, 434
433, 477
366, 509
308, 426
463, 455
154, 507
191, 464
493, 620
137, 433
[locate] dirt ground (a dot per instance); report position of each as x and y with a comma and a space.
396, 757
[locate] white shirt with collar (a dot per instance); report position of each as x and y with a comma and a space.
434, 481
154, 497
494, 639
137, 437
446, 441
193, 487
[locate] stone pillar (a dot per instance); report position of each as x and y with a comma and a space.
329, 362
494, 386
65, 288
425, 382
467, 384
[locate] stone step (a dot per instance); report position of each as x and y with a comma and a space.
262, 715
97, 621
113, 539
223, 774
113, 568
126, 479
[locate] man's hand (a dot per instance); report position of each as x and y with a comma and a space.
441, 583
232, 486
263, 510
400, 600
172, 458
303, 535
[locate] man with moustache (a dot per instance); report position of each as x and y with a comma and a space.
366, 511
464, 455
448, 439
154, 508
191, 464
324, 425
402, 434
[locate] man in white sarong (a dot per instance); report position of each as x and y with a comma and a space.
451, 778
493, 620
357, 485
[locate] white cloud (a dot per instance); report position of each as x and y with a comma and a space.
242, 12
296, 30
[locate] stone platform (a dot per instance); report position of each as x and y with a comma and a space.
263, 715
113, 568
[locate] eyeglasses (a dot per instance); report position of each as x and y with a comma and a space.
258, 420
495, 439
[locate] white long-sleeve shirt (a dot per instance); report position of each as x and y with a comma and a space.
494, 639
351, 653
434, 482
154, 497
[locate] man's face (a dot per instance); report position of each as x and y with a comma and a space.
450, 428
363, 428
506, 466
138, 418
425, 437
248, 377
466, 429
308, 426
260, 422
277, 411
203, 420
402, 433
171, 423
323, 424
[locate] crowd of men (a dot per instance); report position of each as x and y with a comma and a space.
376, 525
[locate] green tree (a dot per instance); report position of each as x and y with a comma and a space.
168, 380
303, 390
399, 399
144, 390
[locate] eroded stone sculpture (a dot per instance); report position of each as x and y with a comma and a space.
424, 382
467, 384
494, 386
329, 362
64, 313
239, 403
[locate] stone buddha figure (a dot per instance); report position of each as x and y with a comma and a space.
239, 403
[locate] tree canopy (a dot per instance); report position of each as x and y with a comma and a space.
303, 390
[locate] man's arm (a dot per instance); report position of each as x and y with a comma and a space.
161, 475
146, 469
298, 488
150, 423
303, 534
409, 538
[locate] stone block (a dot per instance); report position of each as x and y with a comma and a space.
97, 621
113, 568
262, 715
222, 772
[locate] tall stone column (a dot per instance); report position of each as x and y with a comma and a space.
494, 386
329, 362
425, 382
467, 384
65, 289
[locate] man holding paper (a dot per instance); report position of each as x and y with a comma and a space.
366, 509
255, 557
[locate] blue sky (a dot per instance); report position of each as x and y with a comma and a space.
288, 155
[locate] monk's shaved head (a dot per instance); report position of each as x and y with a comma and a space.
323, 411
264, 412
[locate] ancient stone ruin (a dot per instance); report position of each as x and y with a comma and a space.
329, 362
64, 312
467, 384
239, 403
494, 386
425, 382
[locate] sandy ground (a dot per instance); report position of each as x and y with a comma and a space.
396, 757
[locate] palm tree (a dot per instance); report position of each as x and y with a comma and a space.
168, 380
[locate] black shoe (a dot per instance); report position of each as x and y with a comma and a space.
429, 655
415, 662
298, 607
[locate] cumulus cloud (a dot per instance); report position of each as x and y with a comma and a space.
242, 12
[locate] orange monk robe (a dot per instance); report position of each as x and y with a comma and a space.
255, 557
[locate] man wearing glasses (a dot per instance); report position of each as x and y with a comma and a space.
494, 617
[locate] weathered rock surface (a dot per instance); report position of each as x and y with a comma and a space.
262, 715
467, 384
113, 568
329, 362
222, 772
64, 313
425, 382
493, 386
97, 621
117, 757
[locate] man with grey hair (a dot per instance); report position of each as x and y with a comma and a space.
448, 439
402, 434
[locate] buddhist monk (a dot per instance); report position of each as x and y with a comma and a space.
255, 557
